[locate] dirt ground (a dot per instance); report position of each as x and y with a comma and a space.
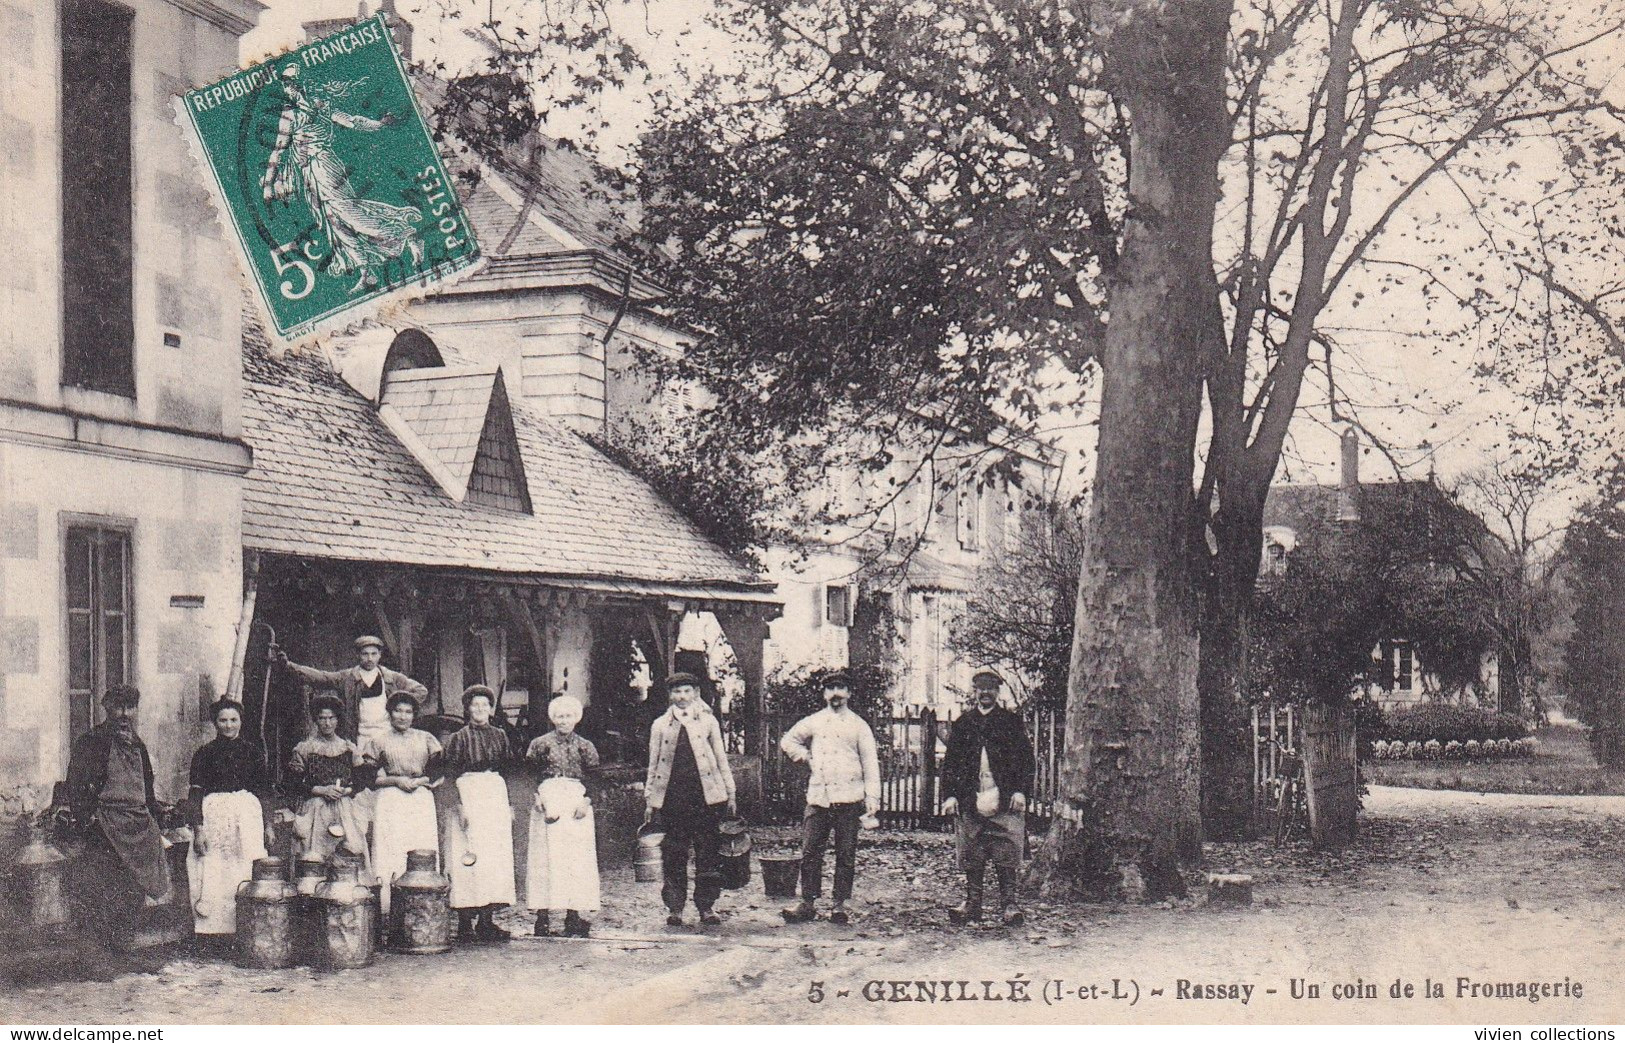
1445, 888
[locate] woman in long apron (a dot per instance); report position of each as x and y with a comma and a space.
562, 869
479, 821
226, 808
403, 817
321, 773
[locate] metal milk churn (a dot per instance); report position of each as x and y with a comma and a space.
646, 864
265, 917
308, 918
39, 881
420, 905
349, 916
733, 853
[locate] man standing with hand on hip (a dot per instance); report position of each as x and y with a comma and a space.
838, 747
986, 773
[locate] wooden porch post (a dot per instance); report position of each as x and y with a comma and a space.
746, 630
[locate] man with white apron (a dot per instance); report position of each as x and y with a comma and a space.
365, 689
986, 773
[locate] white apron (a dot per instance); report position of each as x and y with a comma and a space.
401, 822
489, 881
562, 870
233, 834
372, 722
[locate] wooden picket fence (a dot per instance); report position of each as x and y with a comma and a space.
911, 751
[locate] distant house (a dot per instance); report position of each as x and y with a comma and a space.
899, 561
1417, 521
401, 489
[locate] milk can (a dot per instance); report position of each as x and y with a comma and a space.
39, 880
308, 918
420, 906
349, 916
733, 853
646, 864
265, 917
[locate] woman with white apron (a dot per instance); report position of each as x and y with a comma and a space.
562, 868
478, 823
403, 817
229, 785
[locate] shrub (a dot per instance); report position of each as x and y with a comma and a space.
1445, 721
1379, 749
1413, 750
1471, 749
1452, 749
1370, 725
1431, 749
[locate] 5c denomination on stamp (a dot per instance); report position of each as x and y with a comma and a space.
323, 166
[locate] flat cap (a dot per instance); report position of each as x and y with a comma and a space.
369, 641
681, 677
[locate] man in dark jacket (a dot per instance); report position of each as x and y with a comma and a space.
365, 689
986, 774
110, 793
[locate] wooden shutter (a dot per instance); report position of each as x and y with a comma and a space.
98, 326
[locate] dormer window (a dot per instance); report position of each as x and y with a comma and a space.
456, 420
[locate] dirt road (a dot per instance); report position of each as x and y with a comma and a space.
1445, 892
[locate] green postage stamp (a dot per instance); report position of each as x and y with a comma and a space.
327, 174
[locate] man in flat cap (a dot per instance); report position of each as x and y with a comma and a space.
838, 748
110, 793
986, 773
690, 786
365, 689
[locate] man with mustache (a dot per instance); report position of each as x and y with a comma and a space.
986, 773
838, 748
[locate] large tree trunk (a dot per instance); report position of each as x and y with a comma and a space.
1227, 764
1131, 772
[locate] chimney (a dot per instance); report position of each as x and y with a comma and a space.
1348, 485
401, 28
320, 28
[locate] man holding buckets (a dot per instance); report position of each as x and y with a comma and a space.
691, 788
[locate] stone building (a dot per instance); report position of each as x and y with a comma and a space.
121, 457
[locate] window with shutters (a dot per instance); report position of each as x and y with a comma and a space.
1404, 667
98, 325
98, 609
838, 605
969, 513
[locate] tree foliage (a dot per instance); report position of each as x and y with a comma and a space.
1594, 658
1024, 603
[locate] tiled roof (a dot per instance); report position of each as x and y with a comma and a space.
494, 219
330, 481
1303, 507
445, 407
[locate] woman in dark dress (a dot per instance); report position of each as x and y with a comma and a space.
321, 773
229, 813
